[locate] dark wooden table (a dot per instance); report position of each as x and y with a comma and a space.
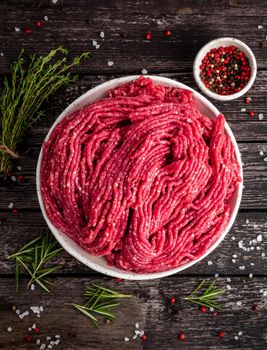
75, 24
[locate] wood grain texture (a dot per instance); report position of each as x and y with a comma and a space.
149, 307
125, 26
23, 194
23, 227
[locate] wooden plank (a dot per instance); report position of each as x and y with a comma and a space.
149, 307
125, 26
23, 194
244, 127
23, 227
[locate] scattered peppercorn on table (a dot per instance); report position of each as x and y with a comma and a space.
137, 38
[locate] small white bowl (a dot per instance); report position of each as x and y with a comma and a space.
215, 44
99, 263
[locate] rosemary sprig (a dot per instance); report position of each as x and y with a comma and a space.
206, 297
33, 258
100, 301
22, 95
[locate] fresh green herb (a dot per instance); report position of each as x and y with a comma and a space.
100, 301
32, 258
206, 297
23, 94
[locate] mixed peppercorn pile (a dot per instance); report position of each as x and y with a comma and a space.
225, 70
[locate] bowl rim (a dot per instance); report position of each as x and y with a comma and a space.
214, 43
79, 253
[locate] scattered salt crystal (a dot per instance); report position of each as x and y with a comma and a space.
2, 54
57, 341
41, 308
250, 275
240, 333
209, 262
263, 255
261, 291
52, 342
243, 109
265, 159
228, 287
97, 46
258, 248
242, 267
260, 26
144, 71
33, 326
134, 336
26, 313
260, 116
137, 332
19, 167
38, 341
137, 325
142, 333
54, 1
233, 238
252, 248
265, 293
17, 29
233, 261
261, 153
13, 307
18, 311
236, 337
110, 63
211, 309
252, 264
10, 205
49, 346
228, 279
32, 286
29, 329
46, 18
9, 329
102, 35
238, 303
216, 275
57, 336
234, 256
259, 238
247, 221
42, 347
126, 339
94, 43
48, 338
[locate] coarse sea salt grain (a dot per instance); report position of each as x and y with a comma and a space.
17, 29
126, 339
209, 262
243, 109
38, 341
110, 63
263, 255
228, 287
48, 338
261, 153
228, 279
265, 293
265, 159
134, 336
233, 238
250, 275
46, 18
252, 264
242, 267
19, 167
238, 303
144, 71
97, 46
260, 26
32, 287
9, 329
102, 35
13, 178
259, 238
216, 275
236, 337
233, 261
54, 1
261, 116
10, 205
18, 311
94, 43
137, 325
57, 336
42, 347
240, 333
2, 54
247, 221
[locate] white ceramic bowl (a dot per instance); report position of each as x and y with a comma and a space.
97, 263
215, 44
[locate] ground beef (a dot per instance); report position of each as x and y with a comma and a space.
140, 177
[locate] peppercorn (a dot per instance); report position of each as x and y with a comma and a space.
148, 36
221, 334
203, 309
168, 33
172, 300
181, 336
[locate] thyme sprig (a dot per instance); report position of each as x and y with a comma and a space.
206, 297
100, 301
23, 93
33, 259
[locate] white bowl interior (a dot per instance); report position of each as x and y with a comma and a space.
99, 263
215, 44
